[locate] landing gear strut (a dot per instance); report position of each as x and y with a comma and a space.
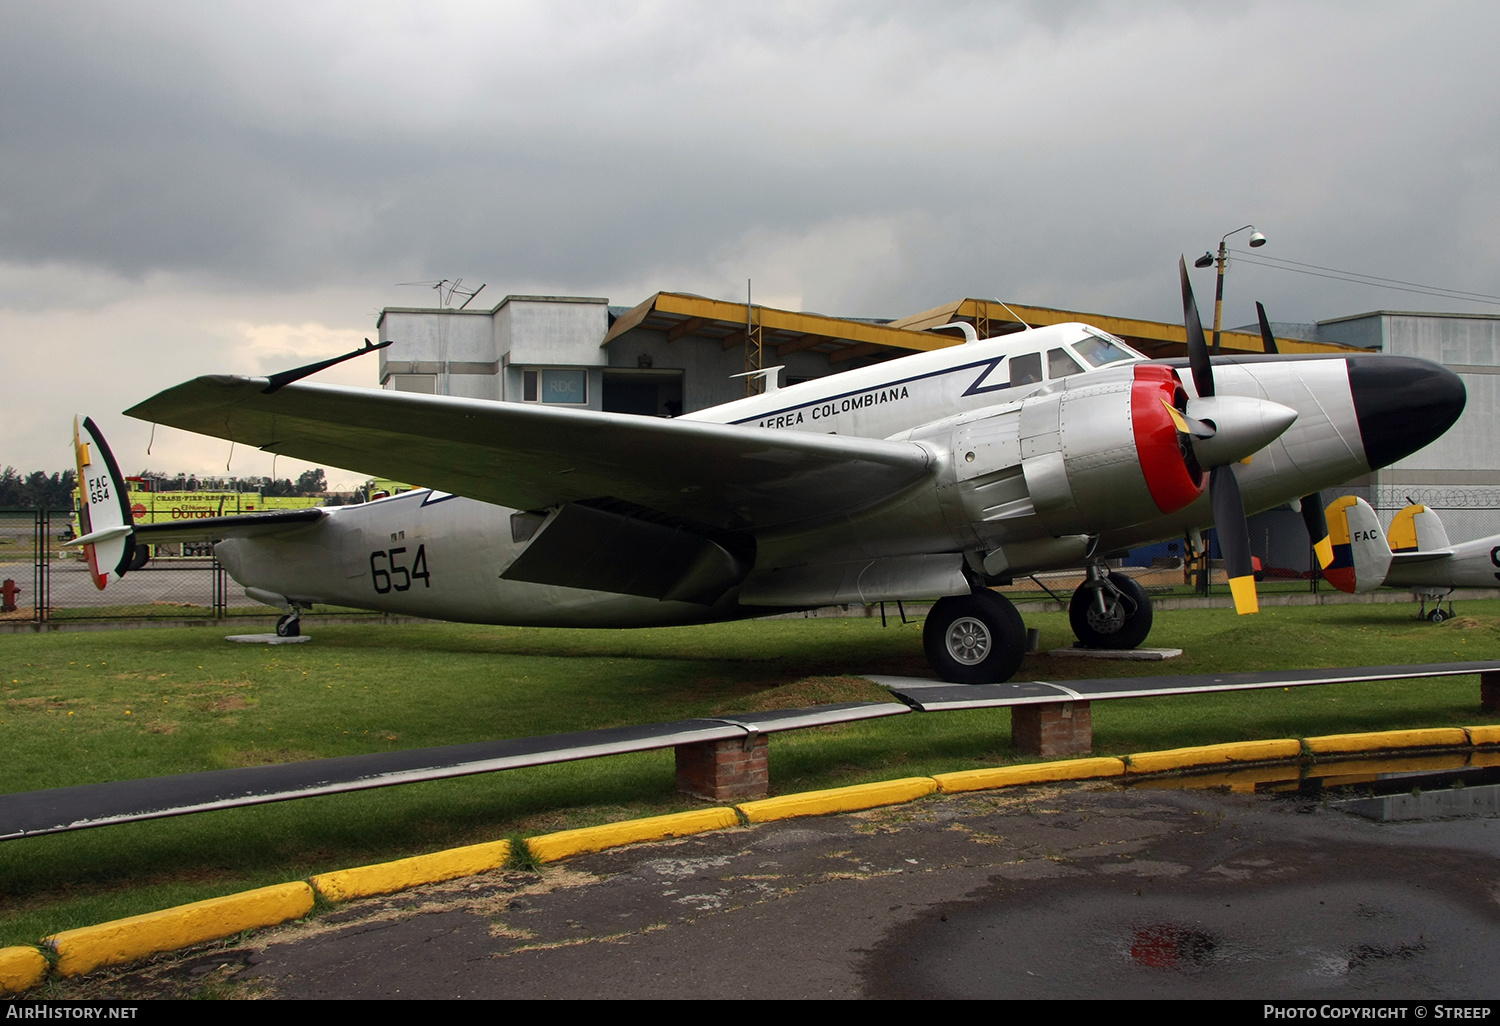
974, 639
1436, 613
1110, 611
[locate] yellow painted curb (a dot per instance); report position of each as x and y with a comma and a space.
838, 799
1487, 735
20, 969
389, 877
551, 847
1380, 740
1214, 755
1034, 773
124, 940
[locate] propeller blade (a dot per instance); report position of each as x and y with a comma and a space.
1234, 538
1187, 425
1317, 528
1203, 371
1267, 340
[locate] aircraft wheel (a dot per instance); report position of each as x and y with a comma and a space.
974, 639
1125, 621
289, 626
1437, 616
139, 556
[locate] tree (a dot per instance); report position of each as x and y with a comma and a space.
38, 489
312, 482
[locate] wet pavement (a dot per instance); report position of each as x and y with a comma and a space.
1059, 891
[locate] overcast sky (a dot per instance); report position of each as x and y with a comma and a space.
200, 188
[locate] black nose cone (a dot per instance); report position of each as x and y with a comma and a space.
1402, 403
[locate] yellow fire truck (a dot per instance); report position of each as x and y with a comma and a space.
148, 506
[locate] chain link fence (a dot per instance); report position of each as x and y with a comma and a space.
42, 582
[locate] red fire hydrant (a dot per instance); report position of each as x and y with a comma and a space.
8, 592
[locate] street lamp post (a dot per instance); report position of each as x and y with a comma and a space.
1256, 241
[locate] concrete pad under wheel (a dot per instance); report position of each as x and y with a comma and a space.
267, 639
1140, 655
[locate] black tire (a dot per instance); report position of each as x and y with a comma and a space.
1437, 615
1127, 625
139, 556
289, 626
974, 639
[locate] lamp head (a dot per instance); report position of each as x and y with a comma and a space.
1257, 240
1205, 260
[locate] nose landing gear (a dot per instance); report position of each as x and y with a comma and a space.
1109, 611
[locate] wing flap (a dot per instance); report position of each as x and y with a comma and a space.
527, 456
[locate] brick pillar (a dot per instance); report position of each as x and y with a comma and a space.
721, 770
1489, 691
1052, 729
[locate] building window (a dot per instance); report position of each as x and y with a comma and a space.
563, 386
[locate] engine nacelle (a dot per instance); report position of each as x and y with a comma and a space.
1083, 455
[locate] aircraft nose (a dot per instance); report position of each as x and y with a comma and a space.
1402, 404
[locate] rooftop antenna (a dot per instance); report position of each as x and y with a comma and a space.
446, 290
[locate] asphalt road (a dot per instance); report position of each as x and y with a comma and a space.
1060, 892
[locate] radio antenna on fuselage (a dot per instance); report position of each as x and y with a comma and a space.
1024, 325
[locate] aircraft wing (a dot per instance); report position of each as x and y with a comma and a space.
531, 457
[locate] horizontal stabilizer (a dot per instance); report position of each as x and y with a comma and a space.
244, 525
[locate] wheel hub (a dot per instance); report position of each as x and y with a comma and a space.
1111, 620
968, 640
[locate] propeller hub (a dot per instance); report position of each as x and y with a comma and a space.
1243, 426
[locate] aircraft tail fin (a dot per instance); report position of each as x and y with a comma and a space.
1417, 529
107, 527
1361, 557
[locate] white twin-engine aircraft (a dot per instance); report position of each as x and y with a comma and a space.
933, 476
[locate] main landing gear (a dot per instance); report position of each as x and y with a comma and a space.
290, 625
974, 639
1110, 611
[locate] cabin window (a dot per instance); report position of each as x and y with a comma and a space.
1060, 364
1026, 369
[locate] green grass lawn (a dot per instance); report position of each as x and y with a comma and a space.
84, 707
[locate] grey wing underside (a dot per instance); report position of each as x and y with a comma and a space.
532, 457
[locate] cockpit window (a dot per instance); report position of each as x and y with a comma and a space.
1100, 349
1060, 364
1025, 370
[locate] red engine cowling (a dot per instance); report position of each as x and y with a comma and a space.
1172, 473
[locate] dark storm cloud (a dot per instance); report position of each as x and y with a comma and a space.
1051, 153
